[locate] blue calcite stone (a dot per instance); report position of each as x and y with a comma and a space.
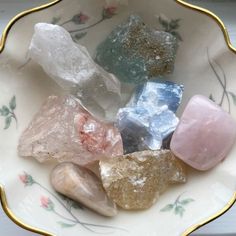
157, 94
149, 117
135, 53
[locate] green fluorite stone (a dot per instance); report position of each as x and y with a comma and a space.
135, 53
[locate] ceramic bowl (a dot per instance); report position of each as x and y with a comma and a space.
205, 65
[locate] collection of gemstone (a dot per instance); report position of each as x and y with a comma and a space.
117, 146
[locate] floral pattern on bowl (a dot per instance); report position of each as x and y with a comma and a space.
204, 65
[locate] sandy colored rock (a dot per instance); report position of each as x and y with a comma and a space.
136, 180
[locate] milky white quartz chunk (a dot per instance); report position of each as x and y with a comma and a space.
205, 134
71, 66
82, 186
63, 131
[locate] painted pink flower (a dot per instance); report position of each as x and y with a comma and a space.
80, 18
109, 12
26, 179
46, 203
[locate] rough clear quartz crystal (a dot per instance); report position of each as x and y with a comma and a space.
63, 131
83, 186
149, 117
136, 53
71, 66
136, 180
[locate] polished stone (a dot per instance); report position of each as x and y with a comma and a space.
135, 181
205, 134
83, 186
63, 131
135, 53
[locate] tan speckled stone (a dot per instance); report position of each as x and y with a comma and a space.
136, 180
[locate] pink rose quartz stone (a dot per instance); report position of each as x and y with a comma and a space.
63, 131
205, 134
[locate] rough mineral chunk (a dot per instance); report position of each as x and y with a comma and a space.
136, 180
136, 53
157, 94
141, 130
205, 134
83, 186
70, 65
63, 131
149, 117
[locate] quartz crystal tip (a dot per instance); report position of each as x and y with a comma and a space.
136, 180
135, 53
71, 67
82, 186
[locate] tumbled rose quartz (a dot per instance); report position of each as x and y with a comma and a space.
83, 186
136, 180
70, 65
205, 134
63, 131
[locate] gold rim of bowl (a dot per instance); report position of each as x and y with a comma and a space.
5, 33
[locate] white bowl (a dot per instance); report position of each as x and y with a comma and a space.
205, 65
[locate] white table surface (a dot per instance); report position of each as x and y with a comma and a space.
223, 226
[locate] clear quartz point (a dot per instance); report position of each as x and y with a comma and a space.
71, 66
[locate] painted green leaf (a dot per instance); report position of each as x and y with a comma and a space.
179, 210
12, 103
177, 35
65, 225
233, 97
163, 22
186, 201
211, 98
79, 36
174, 24
5, 111
168, 207
76, 205
7, 122
55, 20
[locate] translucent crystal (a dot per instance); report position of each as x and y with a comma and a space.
141, 130
83, 186
135, 53
157, 93
63, 131
149, 117
136, 180
205, 134
71, 66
